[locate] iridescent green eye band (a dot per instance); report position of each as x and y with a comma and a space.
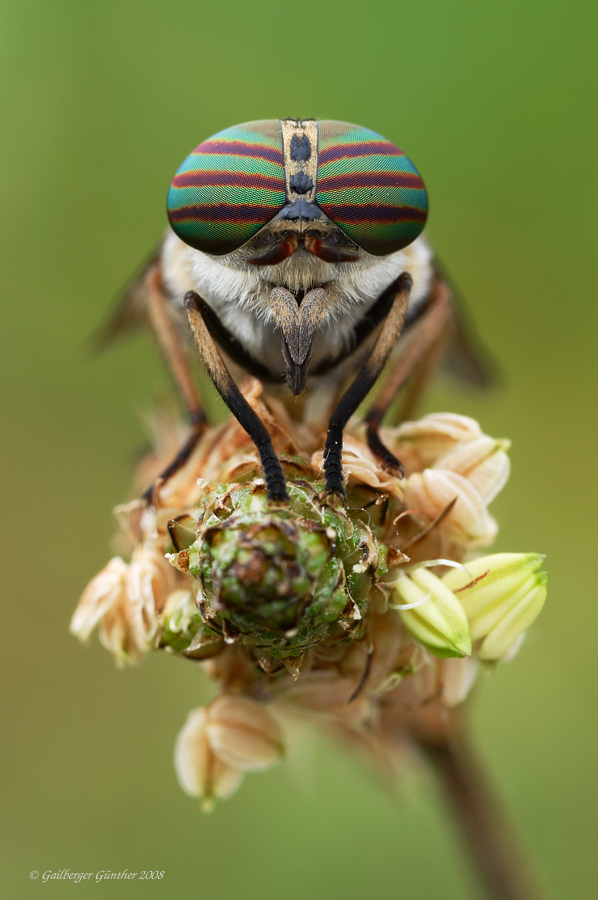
369, 188
229, 187
234, 183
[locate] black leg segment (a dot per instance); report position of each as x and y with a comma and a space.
362, 385
234, 399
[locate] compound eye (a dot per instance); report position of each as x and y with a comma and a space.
369, 188
229, 187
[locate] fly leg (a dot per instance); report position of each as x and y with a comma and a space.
173, 351
420, 348
362, 385
234, 399
448, 329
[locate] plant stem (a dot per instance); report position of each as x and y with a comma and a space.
493, 846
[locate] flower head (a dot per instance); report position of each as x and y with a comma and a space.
280, 579
346, 615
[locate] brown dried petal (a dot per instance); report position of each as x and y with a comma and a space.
468, 523
419, 444
390, 640
125, 622
120, 634
420, 688
201, 773
103, 593
243, 733
150, 579
325, 691
483, 461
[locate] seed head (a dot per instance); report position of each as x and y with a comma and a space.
333, 613
280, 579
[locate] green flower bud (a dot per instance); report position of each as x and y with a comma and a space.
179, 621
280, 578
182, 631
502, 594
436, 617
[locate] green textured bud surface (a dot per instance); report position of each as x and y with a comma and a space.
281, 578
179, 621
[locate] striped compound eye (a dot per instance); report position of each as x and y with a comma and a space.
229, 187
369, 188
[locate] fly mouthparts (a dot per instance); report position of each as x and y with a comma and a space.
296, 373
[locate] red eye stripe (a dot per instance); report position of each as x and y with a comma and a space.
368, 148
225, 212
238, 148
220, 178
371, 179
353, 214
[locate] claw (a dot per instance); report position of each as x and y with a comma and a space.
394, 467
334, 496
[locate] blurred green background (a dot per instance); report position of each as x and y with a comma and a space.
100, 103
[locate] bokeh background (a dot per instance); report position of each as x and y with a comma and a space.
100, 103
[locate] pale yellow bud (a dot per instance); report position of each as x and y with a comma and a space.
483, 461
468, 523
436, 617
458, 677
503, 603
201, 773
243, 733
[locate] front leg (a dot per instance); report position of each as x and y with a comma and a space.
172, 347
358, 391
234, 399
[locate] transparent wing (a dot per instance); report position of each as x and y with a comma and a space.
130, 309
466, 357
